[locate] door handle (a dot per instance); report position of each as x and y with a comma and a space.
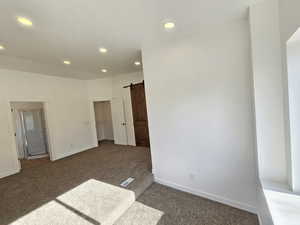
124, 124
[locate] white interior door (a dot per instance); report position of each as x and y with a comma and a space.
119, 122
34, 132
129, 117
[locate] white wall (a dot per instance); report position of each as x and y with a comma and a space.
289, 24
66, 111
293, 62
273, 22
199, 101
100, 89
112, 89
289, 18
264, 213
103, 119
268, 91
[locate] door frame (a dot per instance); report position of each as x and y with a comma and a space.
93, 118
47, 125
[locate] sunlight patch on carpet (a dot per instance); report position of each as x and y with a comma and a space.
140, 213
92, 202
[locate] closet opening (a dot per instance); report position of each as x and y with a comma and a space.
104, 123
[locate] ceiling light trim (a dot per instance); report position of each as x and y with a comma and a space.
169, 25
24, 21
103, 50
67, 62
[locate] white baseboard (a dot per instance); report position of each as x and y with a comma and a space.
66, 154
206, 195
38, 156
259, 219
60, 156
105, 139
9, 172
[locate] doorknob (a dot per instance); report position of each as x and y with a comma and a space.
123, 124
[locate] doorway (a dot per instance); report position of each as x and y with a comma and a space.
103, 119
30, 130
140, 117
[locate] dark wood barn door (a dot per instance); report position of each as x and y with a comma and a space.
140, 118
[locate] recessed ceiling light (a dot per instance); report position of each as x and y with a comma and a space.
102, 50
2, 47
24, 21
104, 70
169, 25
67, 62
137, 63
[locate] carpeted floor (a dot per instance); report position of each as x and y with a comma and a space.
27, 164
46, 186
42, 183
160, 205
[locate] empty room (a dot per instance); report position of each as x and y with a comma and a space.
149, 112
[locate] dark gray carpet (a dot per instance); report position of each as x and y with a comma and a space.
43, 181
160, 205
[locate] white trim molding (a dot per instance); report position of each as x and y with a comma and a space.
9, 172
206, 195
73, 152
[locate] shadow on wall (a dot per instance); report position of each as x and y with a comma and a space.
293, 66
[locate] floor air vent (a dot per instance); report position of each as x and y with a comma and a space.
126, 182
